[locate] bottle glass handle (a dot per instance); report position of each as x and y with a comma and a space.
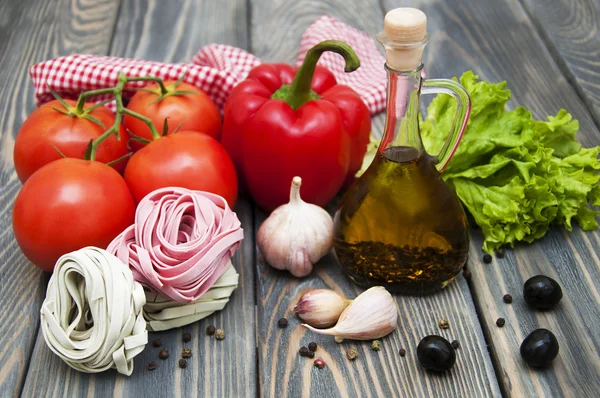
459, 124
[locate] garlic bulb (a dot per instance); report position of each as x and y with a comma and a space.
321, 308
296, 235
371, 315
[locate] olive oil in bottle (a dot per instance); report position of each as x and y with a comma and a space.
400, 225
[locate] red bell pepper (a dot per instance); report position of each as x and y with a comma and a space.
281, 122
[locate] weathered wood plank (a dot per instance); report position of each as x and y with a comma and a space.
571, 30
496, 40
276, 31
31, 31
173, 32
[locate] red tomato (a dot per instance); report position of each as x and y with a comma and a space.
185, 159
46, 127
67, 205
195, 112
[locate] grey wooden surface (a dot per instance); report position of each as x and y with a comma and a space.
549, 63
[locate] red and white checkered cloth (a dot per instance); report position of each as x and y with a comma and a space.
215, 69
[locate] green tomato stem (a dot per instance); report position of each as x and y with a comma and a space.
158, 81
79, 108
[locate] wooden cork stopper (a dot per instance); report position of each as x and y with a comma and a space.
404, 37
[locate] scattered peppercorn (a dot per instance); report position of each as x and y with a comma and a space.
352, 354
319, 363
310, 354
507, 298
500, 322
303, 351
186, 353
443, 324
210, 330
500, 253
182, 363
402, 352
220, 334
152, 366
312, 346
455, 344
487, 258
282, 322
187, 337
163, 354
376, 345
156, 342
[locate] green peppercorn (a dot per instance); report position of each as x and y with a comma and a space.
186, 353
376, 345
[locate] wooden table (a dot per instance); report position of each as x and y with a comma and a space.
549, 52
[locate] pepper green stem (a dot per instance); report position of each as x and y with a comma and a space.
300, 92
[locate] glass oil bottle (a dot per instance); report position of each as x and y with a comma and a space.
399, 225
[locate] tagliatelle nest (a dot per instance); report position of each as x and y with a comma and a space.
181, 242
92, 315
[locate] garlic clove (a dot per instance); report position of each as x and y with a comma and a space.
296, 235
371, 315
321, 308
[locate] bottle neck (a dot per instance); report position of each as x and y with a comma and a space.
402, 121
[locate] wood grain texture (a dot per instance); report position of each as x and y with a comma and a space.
496, 40
174, 31
571, 29
276, 31
217, 368
31, 31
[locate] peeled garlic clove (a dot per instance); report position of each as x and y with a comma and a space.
296, 235
321, 308
371, 315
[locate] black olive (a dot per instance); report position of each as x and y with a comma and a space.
539, 348
436, 353
542, 292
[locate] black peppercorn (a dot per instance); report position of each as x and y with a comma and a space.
303, 351
282, 322
310, 354
152, 366
312, 346
500, 253
455, 344
500, 322
487, 258
210, 330
507, 298
187, 337
163, 354
156, 342
402, 352
182, 363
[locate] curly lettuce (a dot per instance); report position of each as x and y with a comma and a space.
515, 175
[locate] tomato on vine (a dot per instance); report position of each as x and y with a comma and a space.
64, 128
184, 106
184, 159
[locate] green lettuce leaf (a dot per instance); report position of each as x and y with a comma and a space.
515, 175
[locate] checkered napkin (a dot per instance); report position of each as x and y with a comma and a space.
215, 69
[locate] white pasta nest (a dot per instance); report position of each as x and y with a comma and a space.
92, 315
